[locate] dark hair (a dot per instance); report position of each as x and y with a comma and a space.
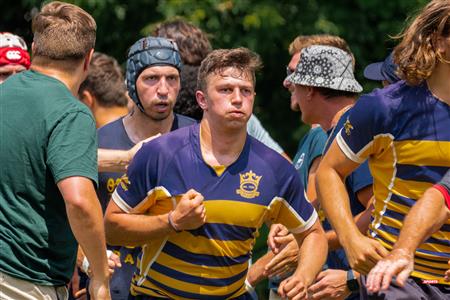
331, 93
63, 31
186, 102
192, 42
105, 81
218, 60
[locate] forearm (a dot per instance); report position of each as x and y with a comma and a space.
335, 202
256, 272
425, 218
86, 222
113, 160
135, 230
313, 253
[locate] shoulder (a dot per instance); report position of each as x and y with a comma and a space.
270, 159
110, 127
182, 121
170, 143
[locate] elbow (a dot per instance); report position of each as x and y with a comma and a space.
111, 229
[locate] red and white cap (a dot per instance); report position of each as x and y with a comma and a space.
13, 50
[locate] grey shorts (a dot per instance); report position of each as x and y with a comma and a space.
414, 289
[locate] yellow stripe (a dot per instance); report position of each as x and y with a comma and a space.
203, 245
280, 212
146, 289
195, 288
409, 188
197, 270
235, 213
158, 201
435, 265
423, 153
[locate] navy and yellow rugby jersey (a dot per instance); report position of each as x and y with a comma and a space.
210, 262
404, 131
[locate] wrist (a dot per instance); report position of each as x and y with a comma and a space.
352, 281
171, 222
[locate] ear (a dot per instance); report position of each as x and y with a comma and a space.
310, 92
33, 47
87, 98
201, 100
87, 60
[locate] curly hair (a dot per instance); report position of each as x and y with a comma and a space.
192, 42
416, 55
217, 61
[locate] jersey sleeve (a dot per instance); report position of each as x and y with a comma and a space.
363, 133
444, 187
132, 193
72, 147
292, 208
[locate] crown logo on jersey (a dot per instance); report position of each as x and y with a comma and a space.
249, 185
348, 126
124, 182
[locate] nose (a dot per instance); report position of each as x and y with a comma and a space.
162, 86
236, 97
287, 84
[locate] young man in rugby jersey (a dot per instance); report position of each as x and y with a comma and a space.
153, 81
196, 197
403, 131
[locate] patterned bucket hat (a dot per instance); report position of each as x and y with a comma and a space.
325, 66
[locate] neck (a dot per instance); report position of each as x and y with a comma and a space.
105, 115
139, 126
333, 111
438, 82
221, 147
71, 80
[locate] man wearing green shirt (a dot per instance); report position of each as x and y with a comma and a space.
48, 155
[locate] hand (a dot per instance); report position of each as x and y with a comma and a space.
138, 146
293, 288
190, 212
113, 262
399, 262
363, 253
276, 230
99, 289
286, 260
330, 284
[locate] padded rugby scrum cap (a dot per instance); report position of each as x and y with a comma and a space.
148, 52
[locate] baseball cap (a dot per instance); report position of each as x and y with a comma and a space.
148, 52
13, 50
383, 70
325, 66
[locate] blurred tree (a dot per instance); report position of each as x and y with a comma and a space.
265, 26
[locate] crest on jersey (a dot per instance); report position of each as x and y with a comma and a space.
124, 182
248, 187
348, 127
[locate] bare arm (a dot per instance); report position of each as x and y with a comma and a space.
117, 160
312, 256
424, 218
362, 220
311, 190
362, 252
137, 229
85, 218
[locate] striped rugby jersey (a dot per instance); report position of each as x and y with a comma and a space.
209, 262
404, 132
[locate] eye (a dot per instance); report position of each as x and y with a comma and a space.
172, 78
151, 78
225, 90
246, 92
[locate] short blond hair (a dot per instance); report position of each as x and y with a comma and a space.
303, 41
63, 31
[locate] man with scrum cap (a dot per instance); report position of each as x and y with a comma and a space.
14, 57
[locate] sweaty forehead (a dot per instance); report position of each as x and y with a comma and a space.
232, 74
160, 70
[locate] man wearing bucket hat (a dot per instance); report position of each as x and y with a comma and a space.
384, 71
14, 57
153, 82
325, 89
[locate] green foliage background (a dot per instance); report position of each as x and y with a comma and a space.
265, 26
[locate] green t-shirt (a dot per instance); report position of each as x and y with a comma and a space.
46, 135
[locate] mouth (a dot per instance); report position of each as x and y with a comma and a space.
161, 107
